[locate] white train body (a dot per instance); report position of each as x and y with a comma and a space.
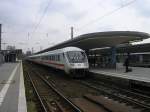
70, 59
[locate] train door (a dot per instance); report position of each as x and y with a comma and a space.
62, 60
66, 63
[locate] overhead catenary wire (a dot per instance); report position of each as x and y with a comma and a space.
91, 22
42, 16
107, 14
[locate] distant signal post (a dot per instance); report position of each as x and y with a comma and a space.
71, 32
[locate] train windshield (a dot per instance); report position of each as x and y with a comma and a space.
76, 56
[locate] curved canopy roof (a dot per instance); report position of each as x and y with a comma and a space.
127, 48
101, 39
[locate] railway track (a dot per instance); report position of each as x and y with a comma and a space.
100, 102
50, 99
87, 106
31, 96
135, 99
88, 103
135, 96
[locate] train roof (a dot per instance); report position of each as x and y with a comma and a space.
66, 49
71, 48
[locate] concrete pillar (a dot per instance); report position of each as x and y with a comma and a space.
94, 59
0, 36
1, 58
141, 58
113, 57
87, 53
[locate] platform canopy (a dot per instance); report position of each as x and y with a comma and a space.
101, 39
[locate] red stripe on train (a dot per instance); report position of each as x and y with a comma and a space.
57, 64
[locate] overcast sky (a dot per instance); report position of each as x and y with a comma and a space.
39, 24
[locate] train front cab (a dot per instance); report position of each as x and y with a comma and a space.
77, 63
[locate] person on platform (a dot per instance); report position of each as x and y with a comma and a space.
127, 62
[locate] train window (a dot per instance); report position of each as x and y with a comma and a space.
58, 57
63, 55
53, 57
76, 56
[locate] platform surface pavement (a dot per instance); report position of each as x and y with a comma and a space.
137, 74
12, 92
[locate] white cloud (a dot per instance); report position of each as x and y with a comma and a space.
21, 16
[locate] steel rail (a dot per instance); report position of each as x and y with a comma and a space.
117, 96
39, 97
124, 90
59, 93
131, 92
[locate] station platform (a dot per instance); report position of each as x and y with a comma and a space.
138, 74
12, 91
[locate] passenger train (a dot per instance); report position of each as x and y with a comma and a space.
72, 60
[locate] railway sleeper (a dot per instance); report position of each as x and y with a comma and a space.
109, 104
